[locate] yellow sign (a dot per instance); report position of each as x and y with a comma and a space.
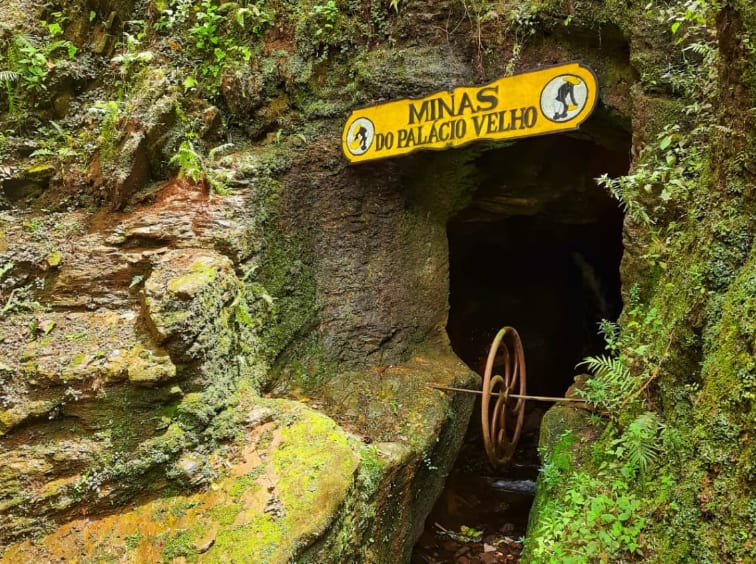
549, 100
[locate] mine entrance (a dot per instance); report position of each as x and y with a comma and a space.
538, 248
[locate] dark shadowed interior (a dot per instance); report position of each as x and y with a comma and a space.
538, 248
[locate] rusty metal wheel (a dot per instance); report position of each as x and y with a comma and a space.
502, 419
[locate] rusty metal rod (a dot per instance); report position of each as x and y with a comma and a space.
515, 396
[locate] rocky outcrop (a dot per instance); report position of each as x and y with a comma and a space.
186, 301
293, 484
183, 236
123, 325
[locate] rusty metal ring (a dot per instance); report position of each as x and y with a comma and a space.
499, 444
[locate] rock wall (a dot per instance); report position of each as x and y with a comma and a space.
160, 254
180, 236
686, 271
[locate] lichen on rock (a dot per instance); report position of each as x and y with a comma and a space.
187, 298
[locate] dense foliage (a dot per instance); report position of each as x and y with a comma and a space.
678, 375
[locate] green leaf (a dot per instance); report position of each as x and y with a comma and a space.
54, 258
6, 268
189, 83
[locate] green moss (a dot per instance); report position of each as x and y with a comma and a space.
78, 359
225, 515
311, 445
262, 540
711, 420
248, 483
145, 366
372, 468
179, 545
44, 169
313, 467
202, 275
132, 541
308, 365
403, 72
11, 417
287, 276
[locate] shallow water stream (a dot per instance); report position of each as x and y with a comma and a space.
482, 514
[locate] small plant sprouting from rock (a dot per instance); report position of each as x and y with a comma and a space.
325, 15
25, 63
9, 78
639, 445
218, 34
110, 114
194, 165
131, 59
599, 514
189, 161
21, 299
621, 376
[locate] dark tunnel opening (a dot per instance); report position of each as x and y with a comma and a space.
553, 282
538, 248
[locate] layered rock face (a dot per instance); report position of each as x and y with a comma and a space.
216, 334
148, 304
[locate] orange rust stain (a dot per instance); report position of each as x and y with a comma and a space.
174, 192
179, 189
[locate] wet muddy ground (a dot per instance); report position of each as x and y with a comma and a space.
482, 514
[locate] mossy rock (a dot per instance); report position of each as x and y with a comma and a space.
188, 298
83, 351
280, 490
414, 433
294, 485
85, 346
408, 72
558, 422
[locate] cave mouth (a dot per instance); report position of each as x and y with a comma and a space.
538, 247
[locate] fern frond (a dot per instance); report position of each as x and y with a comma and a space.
612, 382
641, 441
606, 367
215, 151
55, 45
21, 40
9, 76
